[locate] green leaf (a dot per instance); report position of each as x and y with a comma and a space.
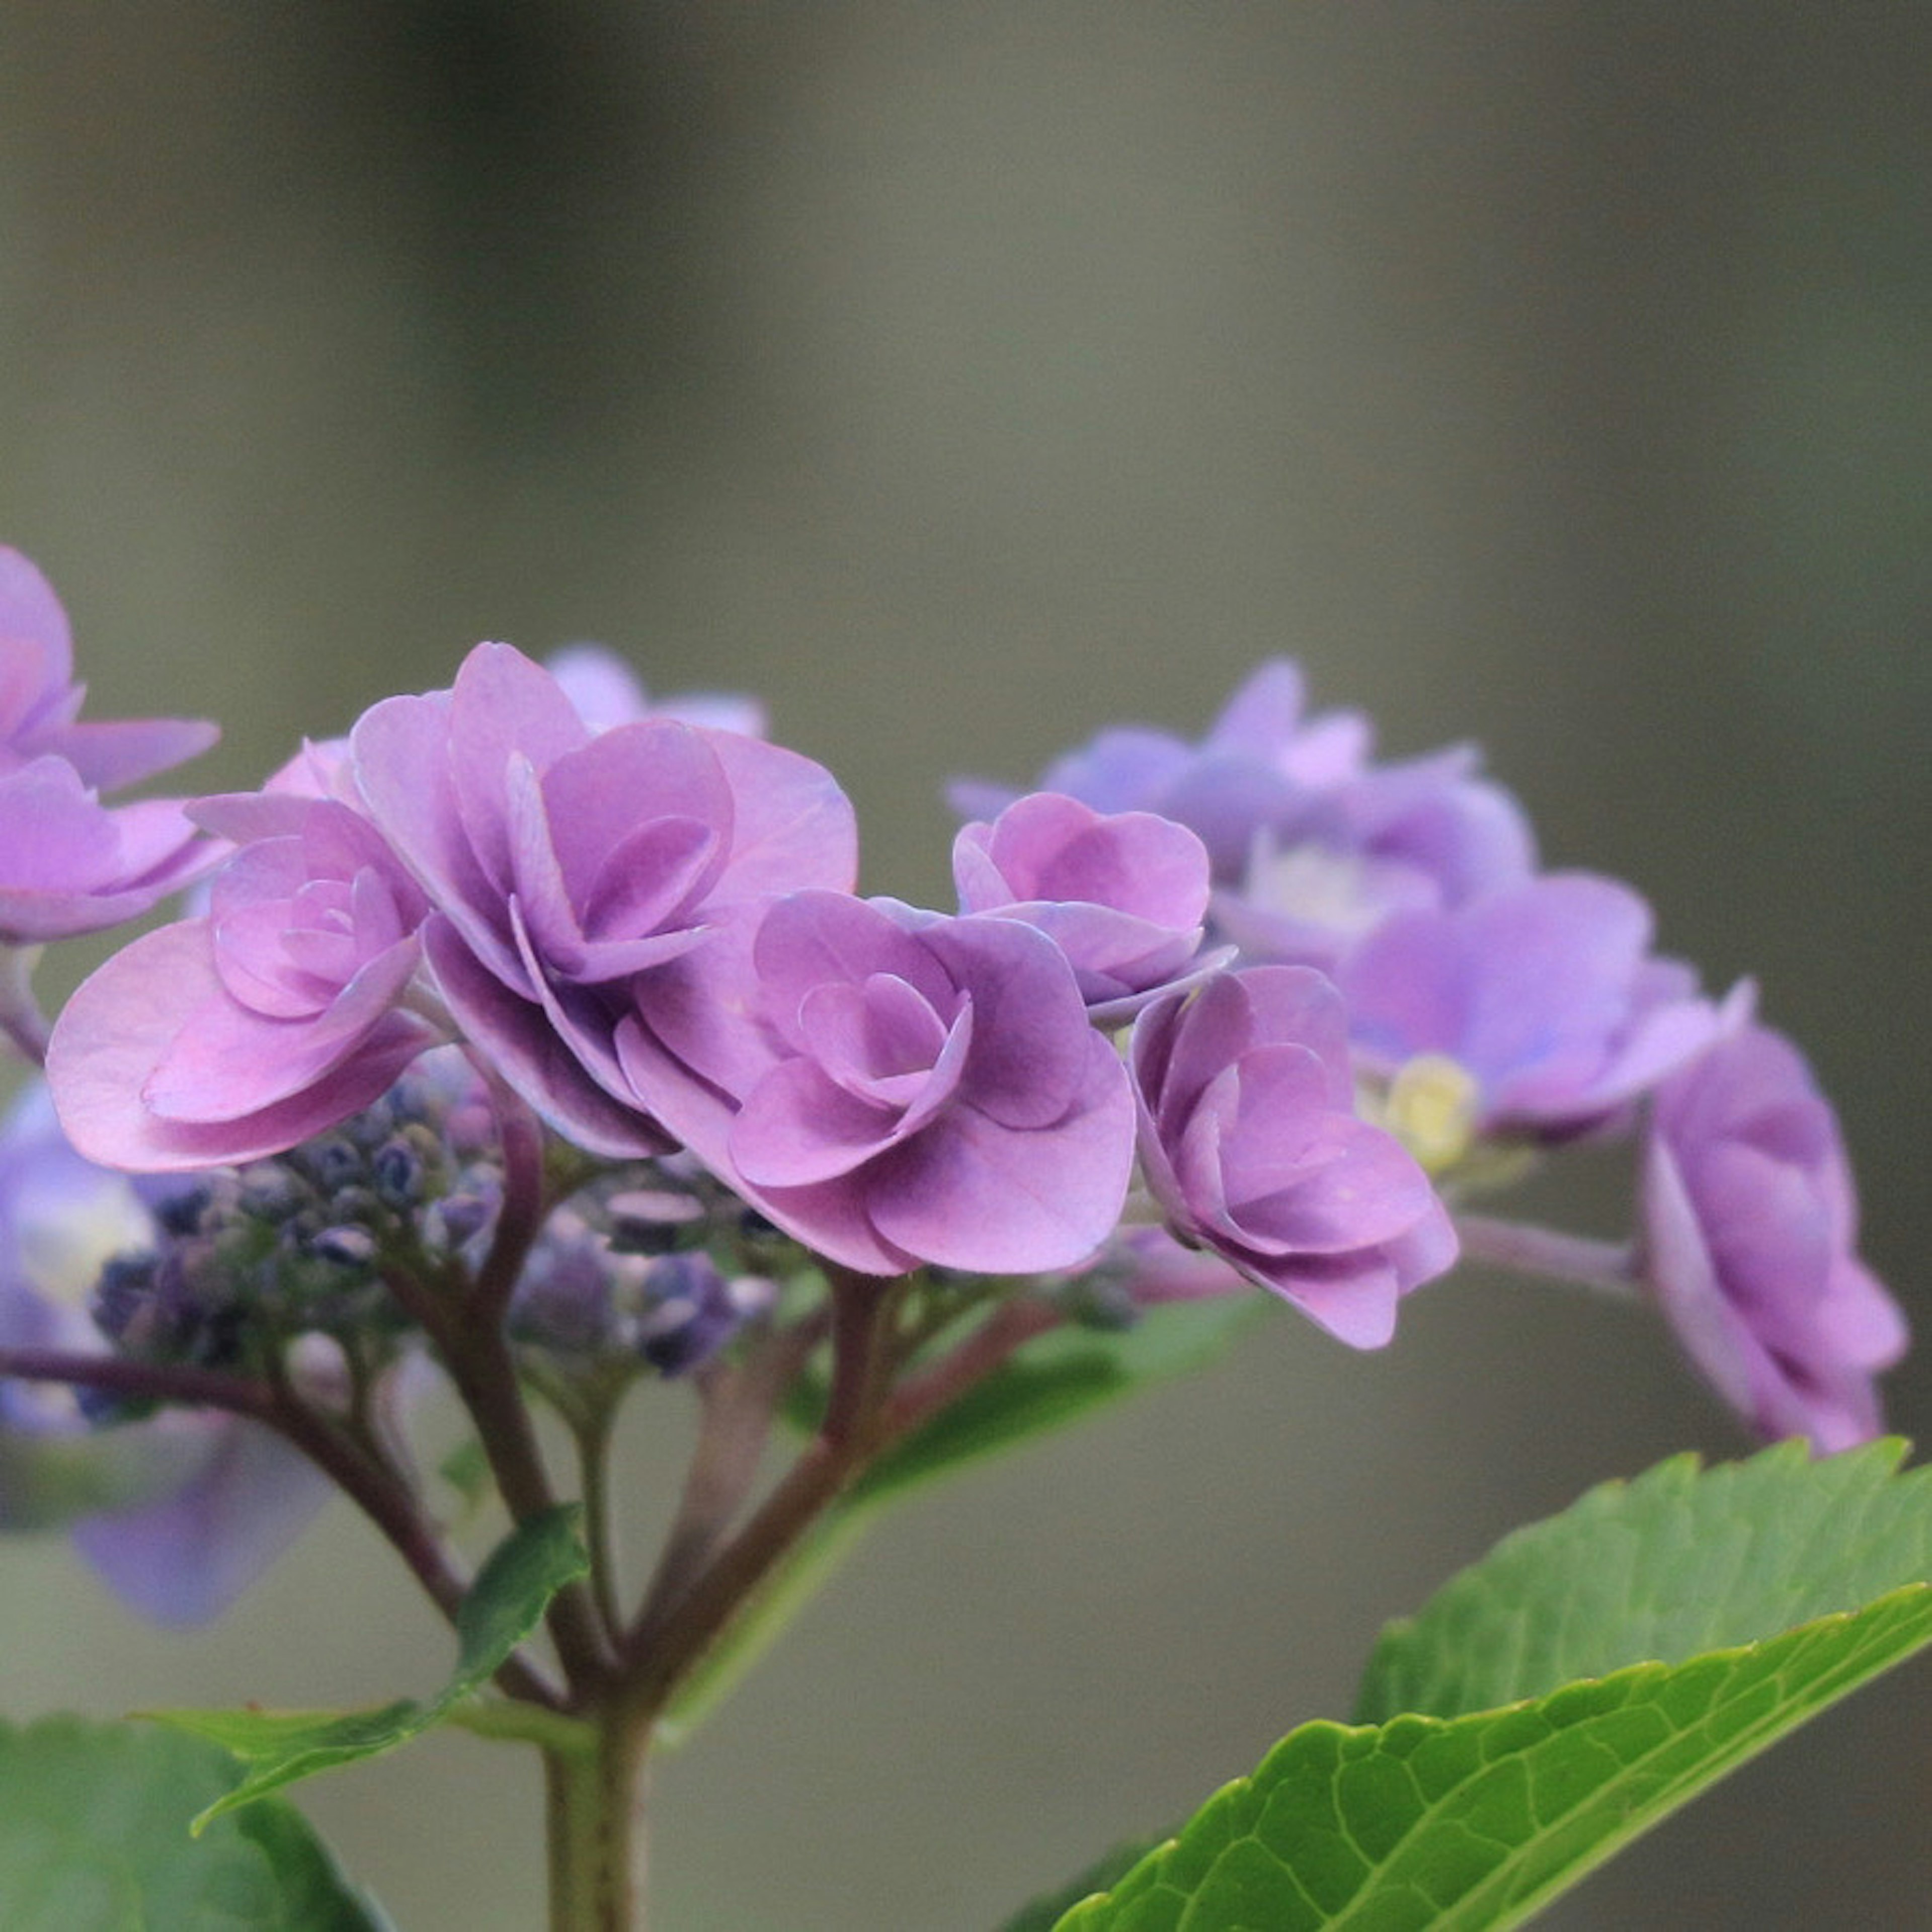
504, 1605
1470, 1824
93, 1838
1056, 1378
1638, 1646
1682, 1560
1044, 1913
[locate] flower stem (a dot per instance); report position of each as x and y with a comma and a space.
594, 1827
22, 1021
1610, 1267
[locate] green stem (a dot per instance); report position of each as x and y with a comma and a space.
594, 1816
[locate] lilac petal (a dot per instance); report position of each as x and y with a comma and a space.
798, 1126
400, 751
55, 836
968, 1192
31, 614
1299, 1005
1128, 768
502, 705
1032, 1036
114, 752
1355, 1297
1407, 988
184, 1561
793, 829
226, 1061
1555, 964
1264, 714
812, 937
874, 1039
121, 1019
600, 797
251, 817
519, 1041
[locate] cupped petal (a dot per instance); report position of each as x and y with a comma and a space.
969, 1191
226, 1060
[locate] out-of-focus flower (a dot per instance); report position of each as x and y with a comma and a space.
1540, 1006
228, 1037
1250, 1144
1122, 895
40, 703
894, 1088
69, 864
1311, 845
179, 1512
606, 692
565, 864
1751, 1228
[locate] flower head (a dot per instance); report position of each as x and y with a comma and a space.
563, 863
1123, 895
1250, 1144
894, 1087
1751, 1228
273, 1017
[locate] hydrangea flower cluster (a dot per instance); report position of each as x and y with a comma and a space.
533, 1014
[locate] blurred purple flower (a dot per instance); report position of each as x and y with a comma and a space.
1122, 895
564, 863
1544, 996
605, 692
1249, 1142
1257, 763
1431, 832
892, 1086
1750, 1227
40, 701
68, 864
228, 1037
180, 1513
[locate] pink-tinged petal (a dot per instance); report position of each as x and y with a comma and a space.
536, 884
832, 1219
968, 1192
1354, 1299
55, 836
502, 705
599, 797
793, 829
527, 1049
114, 752
226, 1061
30, 614
251, 817
797, 1127
812, 937
653, 878
184, 1561
113, 1031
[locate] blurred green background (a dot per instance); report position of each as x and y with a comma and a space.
961, 378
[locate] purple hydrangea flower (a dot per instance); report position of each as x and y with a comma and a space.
1750, 1225
1545, 997
893, 1087
564, 864
1310, 845
68, 864
1259, 760
179, 1514
1431, 832
277, 1015
1122, 895
1249, 1142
